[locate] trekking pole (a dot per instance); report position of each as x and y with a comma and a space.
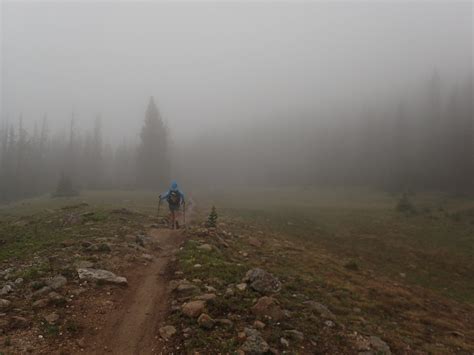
184, 214
159, 205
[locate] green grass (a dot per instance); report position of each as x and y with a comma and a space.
434, 248
33, 225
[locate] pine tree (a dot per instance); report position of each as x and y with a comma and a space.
153, 164
212, 218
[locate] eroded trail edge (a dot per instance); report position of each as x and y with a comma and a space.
132, 327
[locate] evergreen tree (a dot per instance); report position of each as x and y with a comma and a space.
153, 164
212, 218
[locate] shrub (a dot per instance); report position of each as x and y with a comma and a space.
405, 206
65, 187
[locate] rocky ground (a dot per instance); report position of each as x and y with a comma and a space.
230, 289
240, 290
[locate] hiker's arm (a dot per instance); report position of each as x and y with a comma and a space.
164, 196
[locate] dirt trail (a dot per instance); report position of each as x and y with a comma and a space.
132, 328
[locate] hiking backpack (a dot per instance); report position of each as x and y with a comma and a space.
174, 198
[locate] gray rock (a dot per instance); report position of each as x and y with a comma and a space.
42, 291
40, 303
56, 299
167, 331
254, 343
56, 282
101, 276
294, 334
19, 281
5, 290
320, 308
194, 308
205, 247
379, 345
207, 297
84, 264
4, 304
147, 257
185, 288
284, 342
262, 281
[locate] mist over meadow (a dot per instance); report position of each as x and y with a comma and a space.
131, 95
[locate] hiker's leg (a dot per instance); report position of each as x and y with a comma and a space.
173, 219
177, 217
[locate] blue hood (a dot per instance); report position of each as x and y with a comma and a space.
174, 186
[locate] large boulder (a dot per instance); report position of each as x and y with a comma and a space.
101, 276
254, 343
261, 281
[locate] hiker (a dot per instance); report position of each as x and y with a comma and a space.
175, 199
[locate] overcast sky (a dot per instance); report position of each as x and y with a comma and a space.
211, 66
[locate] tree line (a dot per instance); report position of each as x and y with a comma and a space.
424, 141
34, 163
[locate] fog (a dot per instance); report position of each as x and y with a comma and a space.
268, 92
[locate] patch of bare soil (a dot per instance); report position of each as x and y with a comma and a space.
132, 326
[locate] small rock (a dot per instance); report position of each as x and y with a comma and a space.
379, 345
41, 303
52, 318
225, 322
197, 266
258, 324
101, 276
167, 331
19, 281
193, 309
56, 282
241, 287
207, 297
205, 321
84, 264
254, 343
205, 247
4, 304
5, 290
229, 292
255, 242
294, 334
42, 291
81, 343
147, 257
329, 323
186, 288
267, 307
241, 336
56, 299
262, 281
19, 323
321, 309
284, 342
104, 248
